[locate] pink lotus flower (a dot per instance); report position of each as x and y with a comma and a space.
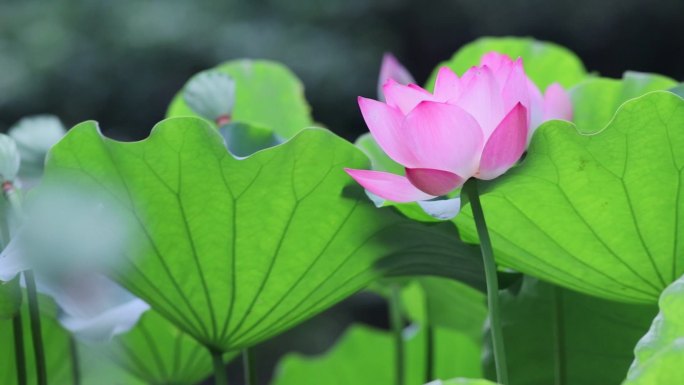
478, 125
392, 69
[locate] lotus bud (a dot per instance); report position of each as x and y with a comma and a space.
211, 94
392, 69
35, 136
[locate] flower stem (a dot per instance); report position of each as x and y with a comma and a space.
492, 282
248, 366
19, 355
397, 325
429, 353
220, 377
34, 314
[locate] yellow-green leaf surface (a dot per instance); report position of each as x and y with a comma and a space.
595, 100
596, 213
445, 303
235, 251
366, 356
267, 94
545, 63
659, 355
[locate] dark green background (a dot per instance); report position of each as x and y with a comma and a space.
120, 62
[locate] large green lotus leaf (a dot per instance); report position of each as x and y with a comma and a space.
595, 213
659, 355
557, 336
267, 94
10, 298
235, 251
545, 63
56, 343
366, 356
595, 100
445, 303
157, 353
463, 381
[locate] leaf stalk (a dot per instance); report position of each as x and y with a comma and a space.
220, 376
397, 325
248, 365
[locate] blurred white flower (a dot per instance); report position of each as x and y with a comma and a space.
67, 227
9, 159
11, 262
93, 307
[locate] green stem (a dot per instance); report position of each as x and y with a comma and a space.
248, 366
397, 324
75, 362
20, 358
220, 376
34, 314
429, 354
429, 345
492, 282
560, 337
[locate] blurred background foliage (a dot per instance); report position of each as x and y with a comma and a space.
120, 62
